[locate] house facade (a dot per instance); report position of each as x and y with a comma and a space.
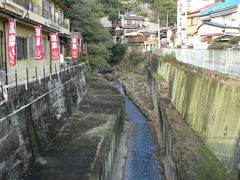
222, 19
183, 7
193, 23
127, 24
28, 14
142, 40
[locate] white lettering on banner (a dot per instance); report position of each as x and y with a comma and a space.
12, 40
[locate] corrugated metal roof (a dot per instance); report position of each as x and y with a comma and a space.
221, 6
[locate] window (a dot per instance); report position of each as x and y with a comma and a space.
230, 17
193, 21
1, 50
56, 15
32, 45
46, 8
61, 17
21, 48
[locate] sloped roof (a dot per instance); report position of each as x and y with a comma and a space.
219, 25
225, 5
132, 16
201, 9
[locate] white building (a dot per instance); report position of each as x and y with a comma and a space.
220, 20
183, 7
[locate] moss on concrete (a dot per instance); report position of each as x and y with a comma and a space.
210, 106
34, 144
210, 168
191, 157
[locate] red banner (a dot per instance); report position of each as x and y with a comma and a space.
39, 44
12, 59
74, 47
55, 46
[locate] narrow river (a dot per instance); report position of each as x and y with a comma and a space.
141, 162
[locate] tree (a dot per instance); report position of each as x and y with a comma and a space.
167, 7
85, 17
113, 16
118, 52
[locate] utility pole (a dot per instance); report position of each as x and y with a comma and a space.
159, 34
167, 20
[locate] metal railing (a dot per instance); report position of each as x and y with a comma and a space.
35, 75
35, 8
227, 62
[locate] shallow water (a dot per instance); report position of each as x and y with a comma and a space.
142, 162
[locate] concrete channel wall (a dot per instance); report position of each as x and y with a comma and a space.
32, 117
199, 122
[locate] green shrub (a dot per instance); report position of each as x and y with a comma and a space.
118, 52
169, 57
94, 61
135, 56
99, 50
113, 16
234, 40
144, 14
218, 46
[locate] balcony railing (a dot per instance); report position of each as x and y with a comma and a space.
133, 26
35, 8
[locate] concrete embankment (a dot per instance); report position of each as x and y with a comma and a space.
33, 116
44, 123
198, 122
86, 146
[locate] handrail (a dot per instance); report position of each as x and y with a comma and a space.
4, 88
222, 61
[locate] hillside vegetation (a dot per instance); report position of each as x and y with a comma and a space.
85, 17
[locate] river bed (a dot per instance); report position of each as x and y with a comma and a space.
141, 162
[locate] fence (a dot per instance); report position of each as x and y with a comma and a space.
40, 74
227, 62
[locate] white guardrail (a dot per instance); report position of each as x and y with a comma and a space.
227, 62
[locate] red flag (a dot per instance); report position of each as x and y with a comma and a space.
12, 59
55, 46
74, 47
39, 43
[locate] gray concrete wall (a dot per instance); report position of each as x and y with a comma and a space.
185, 154
32, 118
210, 105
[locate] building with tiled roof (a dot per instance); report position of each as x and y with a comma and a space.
193, 22
219, 20
183, 7
126, 24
